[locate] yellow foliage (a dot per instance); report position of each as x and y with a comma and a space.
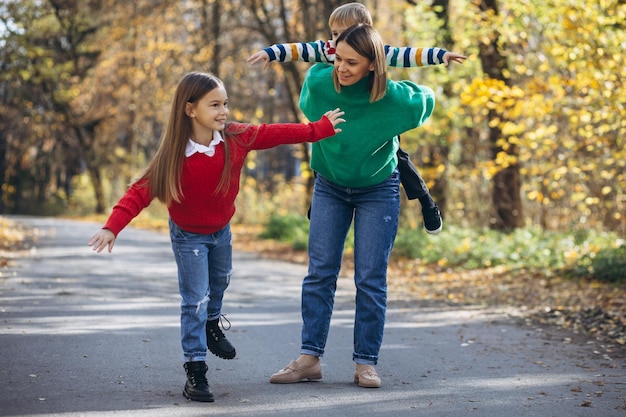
236, 114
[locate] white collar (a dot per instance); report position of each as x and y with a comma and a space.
193, 147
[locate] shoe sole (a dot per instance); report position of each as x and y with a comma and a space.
434, 232
295, 381
199, 399
224, 356
368, 384
295, 377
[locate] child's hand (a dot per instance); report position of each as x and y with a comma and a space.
453, 57
335, 118
259, 56
101, 239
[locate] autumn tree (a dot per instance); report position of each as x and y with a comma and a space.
53, 57
561, 110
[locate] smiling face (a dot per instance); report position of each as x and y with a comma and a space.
350, 66
208, 114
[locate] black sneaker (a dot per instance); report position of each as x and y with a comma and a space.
217, 342
432, 220
197, 387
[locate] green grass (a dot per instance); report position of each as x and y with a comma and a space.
600, 256
290, 228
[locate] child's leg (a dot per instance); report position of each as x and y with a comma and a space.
415, 187
412, 181
193, 283
220, 269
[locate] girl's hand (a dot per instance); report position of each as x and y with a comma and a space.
335, 118
101, 239
453, 57
259, 56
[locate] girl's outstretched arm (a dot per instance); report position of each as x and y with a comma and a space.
102, 239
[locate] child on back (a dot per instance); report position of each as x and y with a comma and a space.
195, 172
324, 51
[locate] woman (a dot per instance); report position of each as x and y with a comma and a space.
357, 179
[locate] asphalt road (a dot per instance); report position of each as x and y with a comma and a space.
85, 334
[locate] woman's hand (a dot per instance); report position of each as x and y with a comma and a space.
101, 239
453, 57
258, 57
335, 118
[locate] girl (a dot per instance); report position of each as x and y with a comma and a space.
357, 179
196, 172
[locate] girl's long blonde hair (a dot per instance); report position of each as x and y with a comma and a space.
163, 173
366, 41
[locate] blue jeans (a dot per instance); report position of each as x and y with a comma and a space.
375, 211
204, 270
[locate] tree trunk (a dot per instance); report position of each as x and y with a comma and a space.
216, 31
85, 136
3, 167
438, 155
506, 200
96, 182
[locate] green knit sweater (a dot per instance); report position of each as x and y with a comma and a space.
364, 153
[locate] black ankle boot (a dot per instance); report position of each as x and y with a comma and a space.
197, 387
217, 342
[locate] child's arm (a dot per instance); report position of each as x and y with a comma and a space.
102, 239
318, 51
323, 51
136, 198
269, 135
407, 56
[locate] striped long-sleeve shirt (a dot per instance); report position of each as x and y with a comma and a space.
324, 51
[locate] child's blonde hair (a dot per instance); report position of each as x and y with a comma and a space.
350, 14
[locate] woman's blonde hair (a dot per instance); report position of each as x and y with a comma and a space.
164, 171
366, 41
350, 14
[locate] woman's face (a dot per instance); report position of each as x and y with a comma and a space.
351, 67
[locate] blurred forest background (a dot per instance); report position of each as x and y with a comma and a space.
528, 136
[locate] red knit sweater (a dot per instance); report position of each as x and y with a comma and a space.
201, 210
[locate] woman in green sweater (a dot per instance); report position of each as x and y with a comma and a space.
357, 179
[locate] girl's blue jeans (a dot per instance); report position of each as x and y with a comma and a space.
375, 212
204, 269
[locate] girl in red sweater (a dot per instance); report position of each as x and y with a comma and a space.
195, 173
